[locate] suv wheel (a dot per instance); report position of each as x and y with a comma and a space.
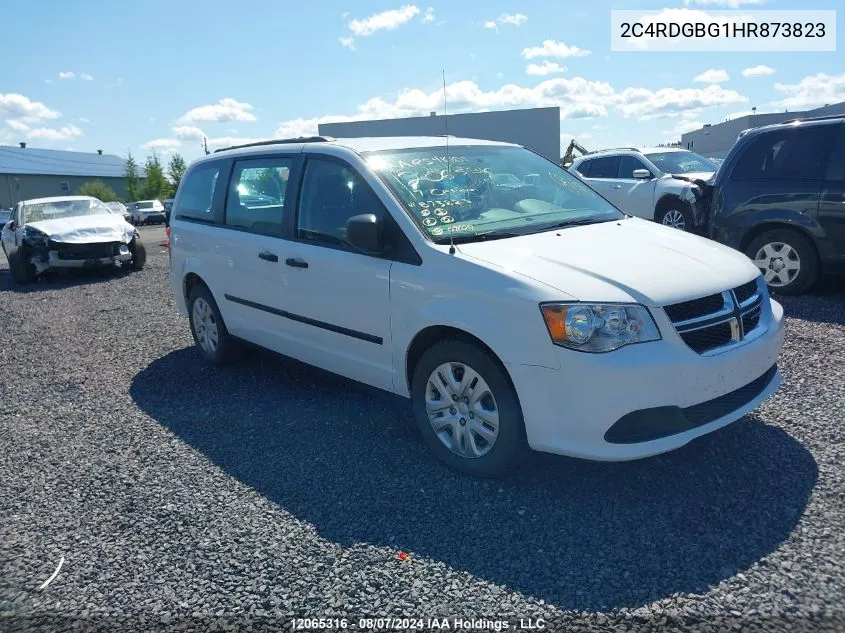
209, 331
139, 254
676, 218
786, 259
467, 409
22, 271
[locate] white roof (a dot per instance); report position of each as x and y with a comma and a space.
57, 199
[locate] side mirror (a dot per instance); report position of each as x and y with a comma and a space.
364, 231
12, 225
642, 174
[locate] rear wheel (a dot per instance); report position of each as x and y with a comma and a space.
23, 272
786, 259
209, 331
467, 410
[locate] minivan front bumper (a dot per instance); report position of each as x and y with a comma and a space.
645, 399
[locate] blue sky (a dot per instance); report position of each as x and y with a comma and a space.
159, 74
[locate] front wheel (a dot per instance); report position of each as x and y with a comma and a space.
23, 272
467, 409
139, 254
786, 259
677, 218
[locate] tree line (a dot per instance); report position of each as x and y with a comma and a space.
157, 184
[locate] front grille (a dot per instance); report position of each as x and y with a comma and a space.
714, 321
87, 251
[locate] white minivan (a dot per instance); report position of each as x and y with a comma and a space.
519, 312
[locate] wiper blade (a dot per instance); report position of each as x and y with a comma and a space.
567, 223
476, 237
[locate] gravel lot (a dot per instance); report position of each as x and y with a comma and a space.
185, 497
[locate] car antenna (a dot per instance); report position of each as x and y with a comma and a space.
205, 145
448, 162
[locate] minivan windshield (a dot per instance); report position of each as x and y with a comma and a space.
63, 209
682, 162
470, 193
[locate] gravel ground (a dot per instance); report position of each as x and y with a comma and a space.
185, 497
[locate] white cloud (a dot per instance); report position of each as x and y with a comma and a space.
428, 17
348, 42
224, 110
512, 19
188, 132
713, 76
550, 48
645, 104
228, 141
812, 91
386, 20
726, 4
758, 71
86, 77
64, 133
685, 126
546, 68
17, 126
66, 75
162, 145
17, 106
82, 119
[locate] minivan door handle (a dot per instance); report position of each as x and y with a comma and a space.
296, 262
617, 187
268, 256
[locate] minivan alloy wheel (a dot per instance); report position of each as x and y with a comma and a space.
205, 325
462, 410
779, 263
675, 219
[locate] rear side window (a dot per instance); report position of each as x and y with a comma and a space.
607, 167
332, 193
196, 193
256, 196
584, 168
789, 153
627, 165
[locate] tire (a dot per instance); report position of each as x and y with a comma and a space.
787, 260
226, 348
509, 444
139, 254
22, 271
676, 217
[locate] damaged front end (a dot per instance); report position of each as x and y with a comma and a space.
45, 252
698, 195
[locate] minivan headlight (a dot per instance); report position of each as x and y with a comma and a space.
598, 327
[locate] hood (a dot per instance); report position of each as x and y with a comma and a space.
630, 260
86, 228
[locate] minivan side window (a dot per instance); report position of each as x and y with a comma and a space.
256, 197
196, 193
791, 153
332, 192
606, 167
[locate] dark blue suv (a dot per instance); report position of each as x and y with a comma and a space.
779, 197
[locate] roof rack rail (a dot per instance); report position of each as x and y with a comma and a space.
826, 117
616, 149
281, 141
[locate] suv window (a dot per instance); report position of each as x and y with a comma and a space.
584, 168
606, 167
256, 197
800, 153
196, 193
331, 194
627, 165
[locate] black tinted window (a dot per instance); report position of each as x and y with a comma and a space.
606, 167
584, 168
627, 165
256, 197
196, 193
331, 194
790, 153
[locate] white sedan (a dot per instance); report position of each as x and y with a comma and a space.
68, 232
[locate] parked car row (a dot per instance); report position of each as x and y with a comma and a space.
778, 196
